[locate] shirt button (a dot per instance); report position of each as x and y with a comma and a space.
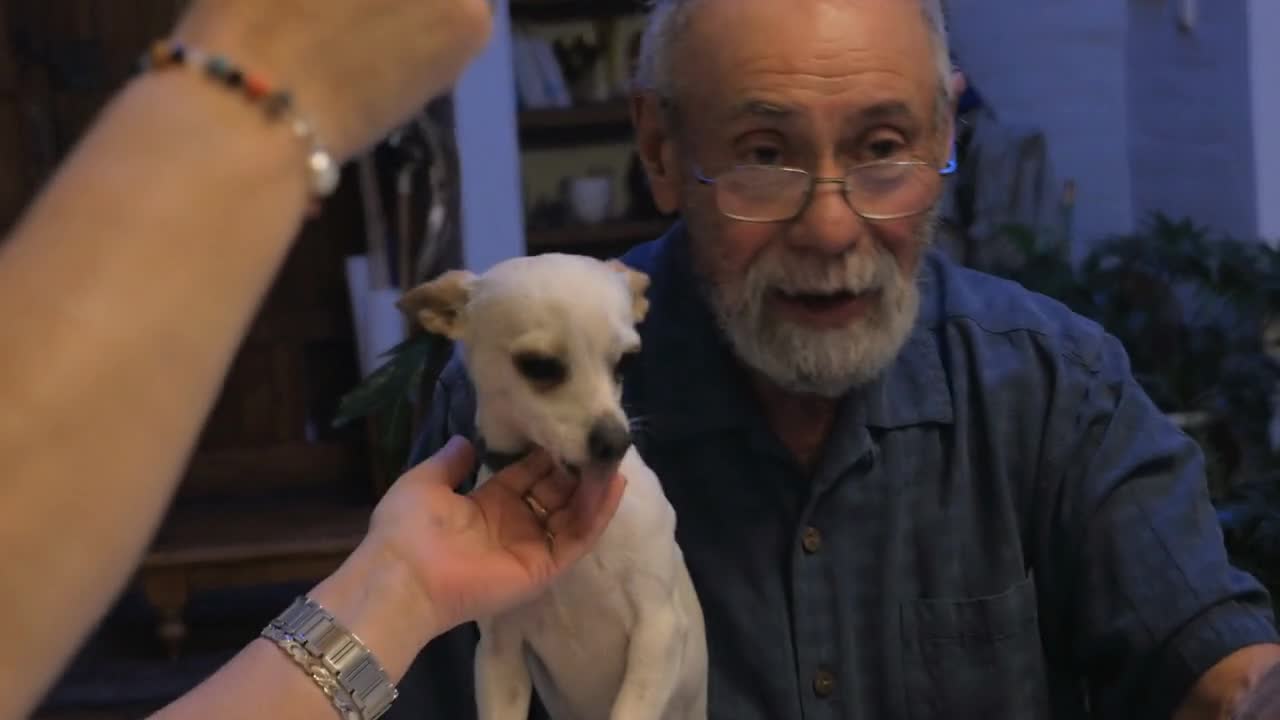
811, 540
823, 683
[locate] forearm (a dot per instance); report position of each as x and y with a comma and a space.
371, 595
1230, 684
124, 291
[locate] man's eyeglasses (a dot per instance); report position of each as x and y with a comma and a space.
881, 190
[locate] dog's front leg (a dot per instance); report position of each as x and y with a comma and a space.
503, 686
653, 666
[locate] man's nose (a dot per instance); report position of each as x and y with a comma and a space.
828, 225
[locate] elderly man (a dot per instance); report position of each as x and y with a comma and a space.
904, 489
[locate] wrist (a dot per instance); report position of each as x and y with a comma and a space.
199, 124
376, 596
241, 36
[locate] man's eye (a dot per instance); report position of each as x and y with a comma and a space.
886, 149
544, 371
764, 155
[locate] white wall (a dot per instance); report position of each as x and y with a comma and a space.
1264, 28
1058, 64
488, 149
1142, 114
1189, 126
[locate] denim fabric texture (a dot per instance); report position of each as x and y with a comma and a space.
1002, 526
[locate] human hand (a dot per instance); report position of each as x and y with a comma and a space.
1262, 700
356, 68
478, 554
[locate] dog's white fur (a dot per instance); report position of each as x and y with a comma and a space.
620, 635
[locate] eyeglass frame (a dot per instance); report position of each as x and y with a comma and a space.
816, 180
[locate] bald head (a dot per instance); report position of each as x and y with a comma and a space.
669, 20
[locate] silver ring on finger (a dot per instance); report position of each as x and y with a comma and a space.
536, 507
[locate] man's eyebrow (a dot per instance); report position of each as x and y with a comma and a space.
760, 109
883, 111
877, 112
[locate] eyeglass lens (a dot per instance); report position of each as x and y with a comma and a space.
883, 190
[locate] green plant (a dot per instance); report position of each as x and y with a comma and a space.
1190, 309
387, 399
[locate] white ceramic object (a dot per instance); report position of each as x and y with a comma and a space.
589, 197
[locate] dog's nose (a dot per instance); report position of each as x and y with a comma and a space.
608, 441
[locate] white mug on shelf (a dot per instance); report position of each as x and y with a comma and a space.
589, 197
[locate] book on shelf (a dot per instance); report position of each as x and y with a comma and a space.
540, 81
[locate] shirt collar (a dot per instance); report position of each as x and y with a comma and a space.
693, 384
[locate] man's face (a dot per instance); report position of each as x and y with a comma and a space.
824, 301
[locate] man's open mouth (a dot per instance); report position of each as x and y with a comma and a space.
818, 302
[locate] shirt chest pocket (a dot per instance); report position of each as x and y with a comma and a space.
975, 657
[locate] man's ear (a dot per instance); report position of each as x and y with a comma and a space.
947, 134
438, 304
654, 145
638, 282
959, 83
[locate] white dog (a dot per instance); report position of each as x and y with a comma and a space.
620, 636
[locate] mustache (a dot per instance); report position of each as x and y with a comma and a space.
803, 275
799, 273
795, 272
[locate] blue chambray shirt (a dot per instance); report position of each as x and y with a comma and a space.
1002, 527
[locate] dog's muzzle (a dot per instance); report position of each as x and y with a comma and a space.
608, 441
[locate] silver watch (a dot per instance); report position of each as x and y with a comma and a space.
352, 663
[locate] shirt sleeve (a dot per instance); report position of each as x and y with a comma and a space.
451, 412
1154, 599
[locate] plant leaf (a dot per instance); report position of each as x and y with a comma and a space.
391, 381
395, 432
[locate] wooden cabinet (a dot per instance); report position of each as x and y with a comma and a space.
594, 135
273, 496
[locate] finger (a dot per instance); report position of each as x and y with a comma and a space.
554, 490
520, 476
590, 509
449, 465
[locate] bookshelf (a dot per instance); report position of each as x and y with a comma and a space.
562, 10
574, 121
600, 122
615, 235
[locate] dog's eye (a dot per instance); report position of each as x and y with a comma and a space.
542, 370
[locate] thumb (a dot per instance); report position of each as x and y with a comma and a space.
449, 465
591, 509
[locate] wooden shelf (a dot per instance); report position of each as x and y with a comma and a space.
238, 547
615, 234
603, 122
615, 112
236, 535
564, 10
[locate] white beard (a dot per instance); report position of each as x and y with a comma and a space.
809, 361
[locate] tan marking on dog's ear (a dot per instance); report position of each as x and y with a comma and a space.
639, 283
438, 304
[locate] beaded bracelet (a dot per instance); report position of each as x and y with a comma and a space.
276, 103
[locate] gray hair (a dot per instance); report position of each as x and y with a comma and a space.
668, 20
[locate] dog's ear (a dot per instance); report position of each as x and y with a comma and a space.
438, 304
639, 283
